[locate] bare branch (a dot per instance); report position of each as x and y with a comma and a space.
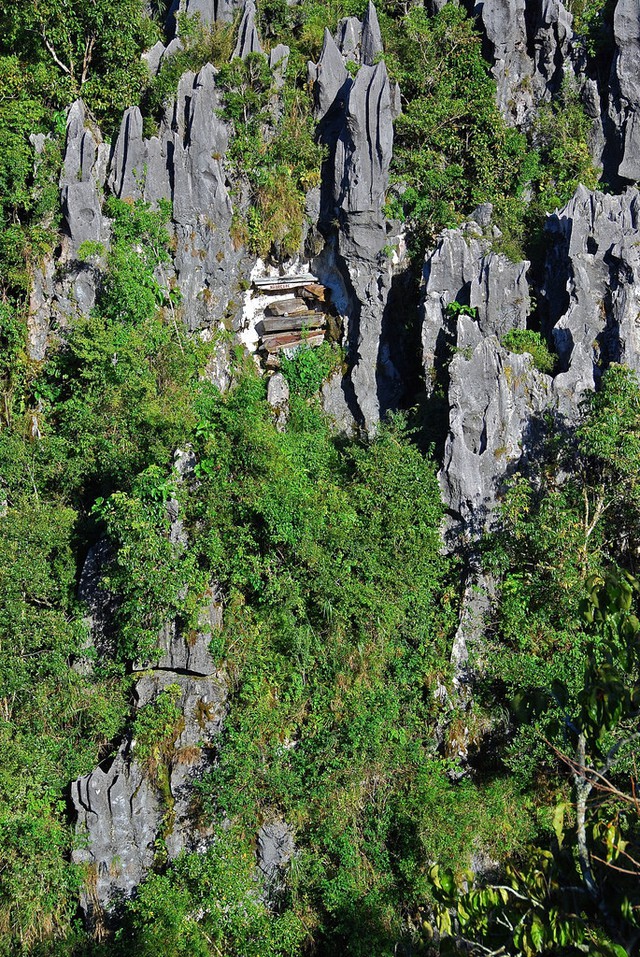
65, 69
614, 867
88, 53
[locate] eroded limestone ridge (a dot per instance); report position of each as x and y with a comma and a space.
140, 806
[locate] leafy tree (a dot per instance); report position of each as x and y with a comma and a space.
453, 149
91, 49
581, 894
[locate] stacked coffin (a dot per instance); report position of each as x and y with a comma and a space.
296, 318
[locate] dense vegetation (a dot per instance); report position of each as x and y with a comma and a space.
340, 605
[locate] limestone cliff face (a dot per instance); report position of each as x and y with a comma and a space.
587, 295
500, 406
531, 42
592, 280
355, 122
624, 106
132, 811
186, 163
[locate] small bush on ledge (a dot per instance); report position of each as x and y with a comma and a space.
526, 340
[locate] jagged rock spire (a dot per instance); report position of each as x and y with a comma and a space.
248, 39
209, 11
330, 75
371, 43
625, 87
81, 177
364, 150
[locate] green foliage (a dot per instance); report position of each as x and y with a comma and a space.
592, 23
330, 557
131, 290
52, 719
455, 309
200, 45
156, 725
277, 156
540, 641
309, 367
159, 580
582, 892
90, 249
29, 205
14, 365
208, 904
610, 432
91, 49
526, 340
453, 149
561, 137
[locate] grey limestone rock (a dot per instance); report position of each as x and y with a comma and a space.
205, 261
532, 44
504, 24
189, 654
100, 603
356, 125
278, 60
331, 77
364, 149
349, 36
218, 368
496, 403
200, 142
362, 159
208, 11
477, 607
335, 402
120, 808
139, 167
41, 297
153, 57
278, 398
82, 178
175, 46
592, 283
624, 105
61, 291
118, 812
184, 462
371, 47
248, 39
185, 164
462, 269
275, 848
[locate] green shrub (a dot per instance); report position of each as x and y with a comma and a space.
455, 309
309, 367
526, 340
156, 724
276, 155
453, 149
130, 291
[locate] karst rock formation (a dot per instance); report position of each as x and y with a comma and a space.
498, 404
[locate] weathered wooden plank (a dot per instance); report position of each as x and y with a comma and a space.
309, 320
286, 307
283, 283
297, 279
314, 290
289, 340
